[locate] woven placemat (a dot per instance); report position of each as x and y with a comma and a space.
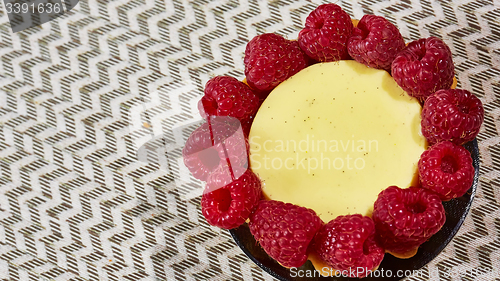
81, 95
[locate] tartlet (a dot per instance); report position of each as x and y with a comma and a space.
273, 65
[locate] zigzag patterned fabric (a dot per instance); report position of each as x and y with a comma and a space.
81, 95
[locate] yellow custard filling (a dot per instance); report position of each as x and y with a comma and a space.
333, 136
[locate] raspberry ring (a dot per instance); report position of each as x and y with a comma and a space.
269, 61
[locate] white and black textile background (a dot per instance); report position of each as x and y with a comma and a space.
81, 94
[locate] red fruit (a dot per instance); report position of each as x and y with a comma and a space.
219, 143
406, 218
375, 42
284, 231
226, 96
424, 67
446, 169
271, 59
229, 206
246, 125
452, 115
347, 243
324, 37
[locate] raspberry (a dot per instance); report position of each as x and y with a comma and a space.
324, 37
446, 169
284, 231
219, 143
347, 243
271, 59
406, 218
452, 115
229, 206
246, 125
375, 42
226, 96
424, 67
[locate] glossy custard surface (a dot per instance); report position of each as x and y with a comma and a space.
333, 136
